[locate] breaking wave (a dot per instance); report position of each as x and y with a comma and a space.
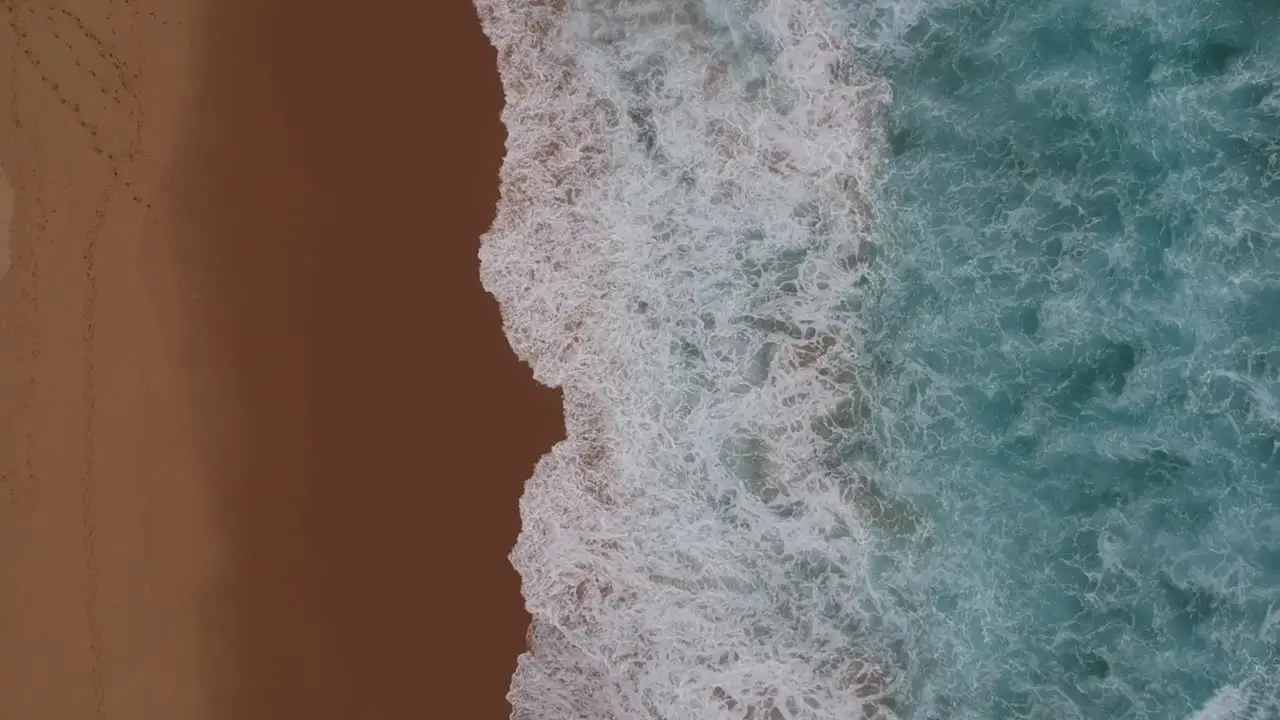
956, 401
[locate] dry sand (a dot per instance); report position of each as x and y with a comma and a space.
6, 223
261, 438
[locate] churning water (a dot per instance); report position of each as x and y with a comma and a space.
921, 358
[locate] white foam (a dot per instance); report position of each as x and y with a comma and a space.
684, 211
1256, 698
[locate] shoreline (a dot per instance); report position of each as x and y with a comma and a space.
307, 434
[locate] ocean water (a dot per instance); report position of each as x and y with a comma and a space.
921, 358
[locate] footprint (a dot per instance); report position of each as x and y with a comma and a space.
6, 222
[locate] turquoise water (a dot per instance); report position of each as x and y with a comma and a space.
920, 361
1075, 348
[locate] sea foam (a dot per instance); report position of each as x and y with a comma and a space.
957, 404
684, 217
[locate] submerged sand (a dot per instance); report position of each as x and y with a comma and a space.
261, 437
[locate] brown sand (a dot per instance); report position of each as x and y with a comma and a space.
261, 438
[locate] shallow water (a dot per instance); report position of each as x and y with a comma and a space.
921, 361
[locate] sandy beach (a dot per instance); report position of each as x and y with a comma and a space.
261, 436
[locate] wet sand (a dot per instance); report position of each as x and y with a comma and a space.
262, 437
